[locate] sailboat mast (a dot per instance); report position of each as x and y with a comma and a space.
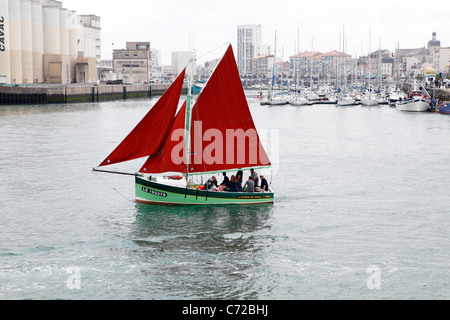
188, 115
370, 61
274, 59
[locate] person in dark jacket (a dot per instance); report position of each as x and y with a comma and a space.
239, 178
233, 185
226, 181
264, 184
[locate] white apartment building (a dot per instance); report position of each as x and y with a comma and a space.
180, 60
441, 59
387, 67
249, 46
263, 66
89, 35
156, 57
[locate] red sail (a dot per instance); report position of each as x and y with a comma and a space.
172, 157
149, 136
223, 134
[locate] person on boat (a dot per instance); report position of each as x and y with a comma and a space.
255, 178
209, 185
264, 184
214, 181
239, 176
249, 185
226, 180
233, 186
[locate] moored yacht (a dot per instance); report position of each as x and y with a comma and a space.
369, 99
346, 100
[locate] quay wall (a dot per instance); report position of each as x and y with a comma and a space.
72, 94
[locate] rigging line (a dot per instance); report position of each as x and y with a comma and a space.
98, 176
227, 43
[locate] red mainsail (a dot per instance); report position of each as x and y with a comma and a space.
223, 134
149, 136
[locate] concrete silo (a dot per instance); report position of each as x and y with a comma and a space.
15, 36
38, 40
64, 34
73, 42
27, 44
64, 30
5, 47
52, 43
52, 37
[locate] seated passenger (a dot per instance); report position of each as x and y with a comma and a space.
233, 185
225, 181
214, 180
209, 185
249, 185
264, 184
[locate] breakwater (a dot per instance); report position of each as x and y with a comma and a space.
78, 93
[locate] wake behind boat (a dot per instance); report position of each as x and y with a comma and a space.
216, 135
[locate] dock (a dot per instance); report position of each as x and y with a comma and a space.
72, 93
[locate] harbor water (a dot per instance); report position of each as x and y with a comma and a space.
362, 211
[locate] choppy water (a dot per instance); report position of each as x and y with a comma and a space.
362, 211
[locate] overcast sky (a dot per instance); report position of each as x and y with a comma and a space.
174, 25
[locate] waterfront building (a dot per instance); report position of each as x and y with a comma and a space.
318, 65
156, 57
387, 68
249, 45
440, 56
433, 43
302, 63
375, 60
89, 45
262, 66
441, 59
180, 60
40, 43
134, 62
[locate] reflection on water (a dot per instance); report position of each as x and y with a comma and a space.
210, 252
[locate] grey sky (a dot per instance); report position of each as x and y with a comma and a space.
173, 25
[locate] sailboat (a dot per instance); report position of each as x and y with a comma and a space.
369, 99
272, 98
216, 135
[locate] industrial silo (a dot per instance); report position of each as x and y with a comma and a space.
73, 42
5, 46
64, 30
52, 37
52, 43
38, 40
15, 42
27, 45
64, 34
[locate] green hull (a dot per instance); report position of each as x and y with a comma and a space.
149, 192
